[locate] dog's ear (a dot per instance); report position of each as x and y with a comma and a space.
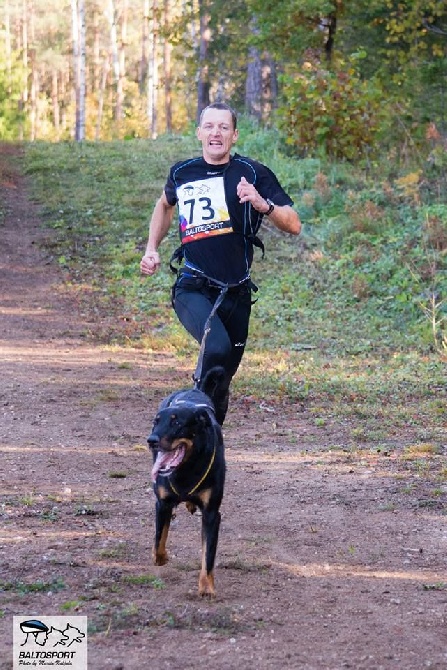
203, 419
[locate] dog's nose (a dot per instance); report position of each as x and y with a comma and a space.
153, 440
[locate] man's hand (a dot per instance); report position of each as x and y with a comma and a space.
247, 193
283, 217
150, 263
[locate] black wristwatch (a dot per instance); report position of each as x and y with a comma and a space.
271, 207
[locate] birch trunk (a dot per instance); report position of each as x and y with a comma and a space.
111, 15
203, 87
122, 64
152, 78
143, 66
167, 69
78, 32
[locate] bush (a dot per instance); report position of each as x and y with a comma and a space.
334, 113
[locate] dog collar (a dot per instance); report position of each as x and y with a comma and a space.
194, 489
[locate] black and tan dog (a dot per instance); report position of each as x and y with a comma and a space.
189, 467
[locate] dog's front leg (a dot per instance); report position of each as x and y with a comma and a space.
210, 535
163, 516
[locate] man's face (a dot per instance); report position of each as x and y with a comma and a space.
217, 135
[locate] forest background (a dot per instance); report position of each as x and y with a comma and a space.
349, 78
346, 101
335, 547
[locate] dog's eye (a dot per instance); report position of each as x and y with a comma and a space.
156, 421
174, 421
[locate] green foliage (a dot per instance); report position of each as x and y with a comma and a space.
398, 80
144, 580
402, 45
331, 112
12, 78
416, 27
24, 588
344, 320
361, 277
288, 29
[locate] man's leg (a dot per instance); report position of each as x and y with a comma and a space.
225, 342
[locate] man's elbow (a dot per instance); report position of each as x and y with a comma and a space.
294, 223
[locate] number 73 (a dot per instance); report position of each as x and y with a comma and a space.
207, 212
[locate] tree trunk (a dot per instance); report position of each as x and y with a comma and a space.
143, 65
32, 62
24, 44
269, 86
331, 26
102, 90
78, 30
65, 85
33, 95
152, 78
167, 69
253, 84
261, 86
55, 102
96, 80
7, 23
203, 88
82, 62
111, 15
122, 64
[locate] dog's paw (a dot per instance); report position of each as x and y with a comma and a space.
206, 585
160, 557
192, 509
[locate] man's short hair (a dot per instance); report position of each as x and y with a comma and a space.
223, 106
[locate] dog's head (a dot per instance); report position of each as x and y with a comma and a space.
174, 436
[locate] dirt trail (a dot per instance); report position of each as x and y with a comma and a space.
327, 559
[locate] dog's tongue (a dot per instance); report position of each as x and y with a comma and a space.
166, 461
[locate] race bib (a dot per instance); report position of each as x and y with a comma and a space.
203, 211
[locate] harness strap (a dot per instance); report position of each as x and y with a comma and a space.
176, 257
179, 253
257, 242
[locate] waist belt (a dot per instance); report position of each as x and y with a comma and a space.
202, 279
198, 281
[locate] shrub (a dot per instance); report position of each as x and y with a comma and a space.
333, 112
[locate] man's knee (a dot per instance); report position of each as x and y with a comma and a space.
219, 353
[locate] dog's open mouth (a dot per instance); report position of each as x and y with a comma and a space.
167, 461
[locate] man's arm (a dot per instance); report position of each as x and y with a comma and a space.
283, 217
158, 229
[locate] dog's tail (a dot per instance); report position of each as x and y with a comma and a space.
215, 384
